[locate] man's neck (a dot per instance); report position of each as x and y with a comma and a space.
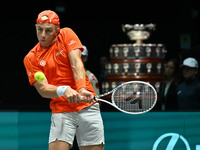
46, 46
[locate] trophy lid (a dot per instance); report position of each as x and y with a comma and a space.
138, 32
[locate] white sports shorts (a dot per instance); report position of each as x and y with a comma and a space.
86, 124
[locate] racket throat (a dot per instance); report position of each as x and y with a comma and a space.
95, 98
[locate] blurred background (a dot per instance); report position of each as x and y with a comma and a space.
98, 25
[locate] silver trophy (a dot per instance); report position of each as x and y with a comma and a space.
159, 66
116, 51
157, 51
113, 85
137, 67
149, 66
125, 51
116, 68
111, 51
164, 51
108, 68
126, 67
105, 87
157, 86
138, 32
148, 51
137, 51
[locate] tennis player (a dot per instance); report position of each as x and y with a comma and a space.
58, 56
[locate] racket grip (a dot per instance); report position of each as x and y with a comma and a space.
93, 98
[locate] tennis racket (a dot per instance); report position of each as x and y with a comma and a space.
133, 97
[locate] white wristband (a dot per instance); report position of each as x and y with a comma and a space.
61, 90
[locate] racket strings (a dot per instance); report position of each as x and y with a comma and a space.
134, 97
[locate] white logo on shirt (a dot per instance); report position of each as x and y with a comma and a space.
60, 52
71, 42
42, 63
30, 74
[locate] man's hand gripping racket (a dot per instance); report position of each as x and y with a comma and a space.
133, 97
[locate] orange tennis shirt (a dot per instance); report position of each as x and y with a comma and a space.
55, 64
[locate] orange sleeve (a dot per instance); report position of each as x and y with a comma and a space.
71, 40
31, 69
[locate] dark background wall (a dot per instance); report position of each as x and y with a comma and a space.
98, 25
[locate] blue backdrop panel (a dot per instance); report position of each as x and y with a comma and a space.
34, 130
8, 130
150, 131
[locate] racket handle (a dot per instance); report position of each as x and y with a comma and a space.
93, 98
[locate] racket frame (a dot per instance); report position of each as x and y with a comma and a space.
121, 85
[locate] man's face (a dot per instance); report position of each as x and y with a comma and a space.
189, 72
170, 69
46, 34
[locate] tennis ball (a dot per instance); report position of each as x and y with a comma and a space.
39, 76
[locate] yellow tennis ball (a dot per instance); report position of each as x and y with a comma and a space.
39, 76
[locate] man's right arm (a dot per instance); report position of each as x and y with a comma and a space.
50, 91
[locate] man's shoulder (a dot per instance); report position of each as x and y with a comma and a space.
65, 30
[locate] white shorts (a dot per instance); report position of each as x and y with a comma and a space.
86, 124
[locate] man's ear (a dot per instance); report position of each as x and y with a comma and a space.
58, 30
